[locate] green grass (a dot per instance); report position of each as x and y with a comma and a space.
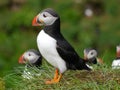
2, 84
101, 78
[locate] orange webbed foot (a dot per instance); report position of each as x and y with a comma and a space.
56, 78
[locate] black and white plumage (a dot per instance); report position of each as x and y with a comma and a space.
32, 58
90, 56
53, 46
116, 62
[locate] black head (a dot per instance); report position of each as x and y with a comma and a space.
51, 11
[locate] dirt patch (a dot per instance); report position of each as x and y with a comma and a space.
98, 76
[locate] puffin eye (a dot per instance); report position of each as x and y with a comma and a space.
91, 53
44, 15
29, 54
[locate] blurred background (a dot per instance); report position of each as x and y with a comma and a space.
84, 23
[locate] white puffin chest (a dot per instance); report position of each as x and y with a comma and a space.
116, 64
47, 47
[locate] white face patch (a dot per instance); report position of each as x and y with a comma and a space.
30, 57
47, 18
92, 54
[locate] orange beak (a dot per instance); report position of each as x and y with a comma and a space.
99, 60
21, 60
37, 22
34, 22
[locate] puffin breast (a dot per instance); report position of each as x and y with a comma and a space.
47, 47
116, 64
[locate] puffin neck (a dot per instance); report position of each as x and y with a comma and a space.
37, 63
53, 29
93, 60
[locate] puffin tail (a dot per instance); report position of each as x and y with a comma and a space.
84, 65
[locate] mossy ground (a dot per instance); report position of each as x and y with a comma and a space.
101, 78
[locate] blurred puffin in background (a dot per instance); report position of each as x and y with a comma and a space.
90, 56
53, 46
32, 58
116, 62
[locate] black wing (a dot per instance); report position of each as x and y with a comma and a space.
73, 61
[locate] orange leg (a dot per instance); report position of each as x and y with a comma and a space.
56, 78
56, 74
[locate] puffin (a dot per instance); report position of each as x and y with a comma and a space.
116, 62
90, 56
54, 47
31, 58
